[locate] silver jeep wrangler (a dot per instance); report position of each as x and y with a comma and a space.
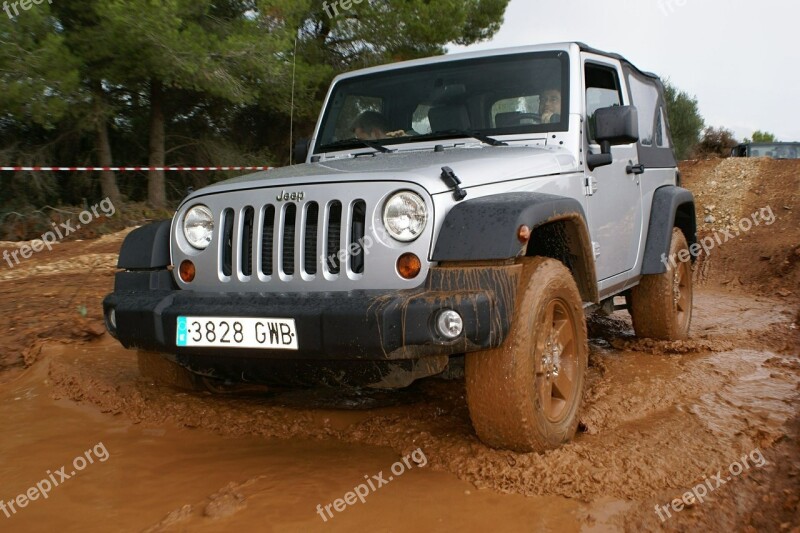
462, 211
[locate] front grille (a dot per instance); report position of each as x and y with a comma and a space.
291, 240
320, 237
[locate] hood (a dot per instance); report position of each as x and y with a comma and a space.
474, 166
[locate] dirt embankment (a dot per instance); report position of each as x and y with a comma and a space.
750, 209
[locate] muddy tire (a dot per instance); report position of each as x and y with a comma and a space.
155, 366
661, 305
526, 395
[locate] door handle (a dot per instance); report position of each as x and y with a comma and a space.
634, 169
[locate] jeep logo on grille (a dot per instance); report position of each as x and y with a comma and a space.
284, 196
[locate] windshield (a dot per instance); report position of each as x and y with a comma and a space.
511, 94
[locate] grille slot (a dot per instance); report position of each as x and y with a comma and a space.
310, 238
267, 239
289, 232
357, 232
333, 239
246, 256
227, 242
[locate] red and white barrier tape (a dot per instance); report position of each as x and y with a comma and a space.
127, 169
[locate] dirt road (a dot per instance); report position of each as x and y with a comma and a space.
660, 418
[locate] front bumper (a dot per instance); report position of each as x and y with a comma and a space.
355, 325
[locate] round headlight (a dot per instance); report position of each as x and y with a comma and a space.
198, 226
405, 216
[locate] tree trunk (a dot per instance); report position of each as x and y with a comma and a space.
156, 185
108, 180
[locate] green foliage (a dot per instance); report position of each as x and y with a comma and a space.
203, 46
762, 137
685, 120
232, 83
38, 74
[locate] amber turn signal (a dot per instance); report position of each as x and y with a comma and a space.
409, 266
187, 271
524, 234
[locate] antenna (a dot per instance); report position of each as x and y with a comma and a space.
291, 111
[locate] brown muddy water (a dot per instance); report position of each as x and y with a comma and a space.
658, 418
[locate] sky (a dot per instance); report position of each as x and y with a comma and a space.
740, 59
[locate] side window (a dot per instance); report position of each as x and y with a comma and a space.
645, 98
602, 90
662, 139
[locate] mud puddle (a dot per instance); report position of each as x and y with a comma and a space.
658, 417
160, 477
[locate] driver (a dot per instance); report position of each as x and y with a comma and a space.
370, 126
550, 106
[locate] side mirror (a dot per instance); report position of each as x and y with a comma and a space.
300, 152
616, 125
613, 126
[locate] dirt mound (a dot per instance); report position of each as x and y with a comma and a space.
54, 295
749, 212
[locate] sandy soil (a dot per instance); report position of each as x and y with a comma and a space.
659, 419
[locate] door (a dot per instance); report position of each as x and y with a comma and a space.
615, 200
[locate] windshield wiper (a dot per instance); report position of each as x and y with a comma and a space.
375, 145
466, 133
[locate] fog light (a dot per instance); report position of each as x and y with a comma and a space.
187, 271
409, 266
449, 324
112, 318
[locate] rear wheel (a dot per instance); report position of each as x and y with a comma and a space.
661, 305
526, 394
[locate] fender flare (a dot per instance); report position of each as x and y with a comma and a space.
672, 207
146, 248
485, 229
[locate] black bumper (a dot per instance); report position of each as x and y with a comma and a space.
357, 325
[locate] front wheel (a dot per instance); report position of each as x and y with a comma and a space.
526, 394
661, 305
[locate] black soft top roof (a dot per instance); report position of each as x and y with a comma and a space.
586, 48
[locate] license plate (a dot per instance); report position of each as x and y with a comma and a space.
223, 332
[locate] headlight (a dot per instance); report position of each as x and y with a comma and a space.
198, 226
405, 216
